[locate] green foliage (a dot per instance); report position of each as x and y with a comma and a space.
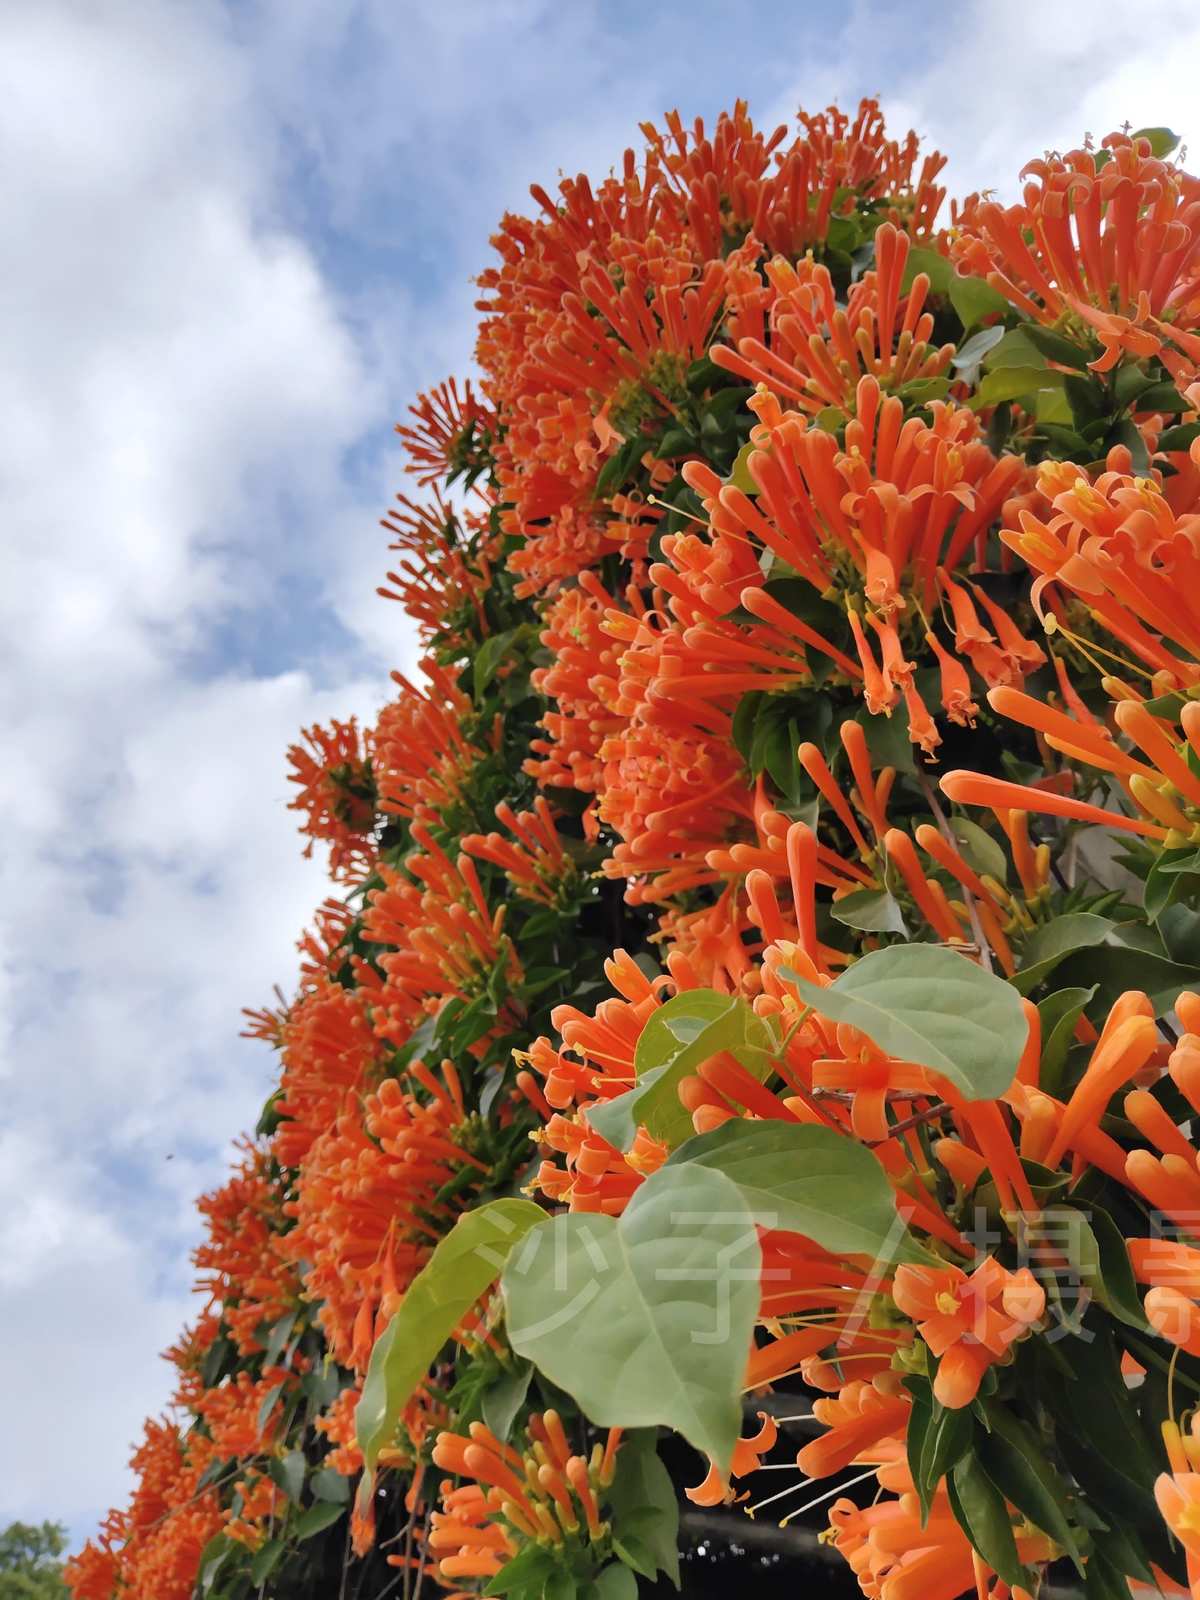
930, 1006
30, 1564
809, 1180
462, 1267
645, 1319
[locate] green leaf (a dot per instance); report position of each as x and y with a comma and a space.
920, 391
277, 1338
524, 1575
1015, 383
971, 353
930, 1006
1048, 945
1179, 923
1178, 438
1053, 410
1097, 1427
212, 1558
1167, 879
937, 268
803, 1178
505, 1397
871, 911
1015, 350
489, 657
617, 1119
740, 476
1088, 400
981, 1513
1056, 348
1115, 968
947, 1438
1015, 1460
266, 1559
678, 1038
269, 1401
1127, 432
287, 1472
888, 742
323, 1515
1162, 397
616, 1582
677, 441
1059, 1013
1096, 1257
460, 1269
329, 1485
634, 1553
919, 1419
646, 1319
643, 1495
974, 299
1162, 140
979, 849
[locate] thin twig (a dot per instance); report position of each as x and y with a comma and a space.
915, 1121
408, 1538
947, 833
424, 1556
345, 1561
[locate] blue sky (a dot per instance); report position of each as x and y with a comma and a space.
237, 238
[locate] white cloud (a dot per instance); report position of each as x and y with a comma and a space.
178, 389
994, 86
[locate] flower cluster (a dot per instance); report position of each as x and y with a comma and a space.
793, 828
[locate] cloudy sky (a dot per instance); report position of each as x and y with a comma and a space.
235, 239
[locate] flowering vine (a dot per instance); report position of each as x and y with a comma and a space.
761, 998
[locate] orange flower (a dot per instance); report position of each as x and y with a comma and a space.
967, 1322
1118, 546
337, 795
537, 866
545, 1493
747, 1454
863, 1424
1102, 231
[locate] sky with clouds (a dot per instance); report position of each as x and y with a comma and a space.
236, 239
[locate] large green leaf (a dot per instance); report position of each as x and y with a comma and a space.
928, 1005
460, 1269
679, 1037
1115, 967
645, 1320
1047, 946
806, 1179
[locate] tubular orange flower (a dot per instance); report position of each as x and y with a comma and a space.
967, 1322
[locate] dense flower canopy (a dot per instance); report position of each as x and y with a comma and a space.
790, 854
